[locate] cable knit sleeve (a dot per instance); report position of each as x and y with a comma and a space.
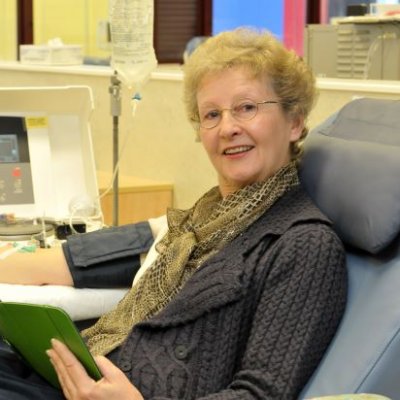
298, 312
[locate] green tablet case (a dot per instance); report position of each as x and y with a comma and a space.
28, 328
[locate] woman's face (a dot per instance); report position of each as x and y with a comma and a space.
244, 151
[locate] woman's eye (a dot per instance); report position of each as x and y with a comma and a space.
245, 108
211, 115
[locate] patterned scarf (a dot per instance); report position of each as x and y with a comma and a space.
193, 236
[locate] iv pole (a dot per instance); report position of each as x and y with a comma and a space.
115, 92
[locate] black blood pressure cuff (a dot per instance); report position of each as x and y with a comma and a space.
107, 258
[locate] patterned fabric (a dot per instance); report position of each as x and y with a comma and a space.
193, 236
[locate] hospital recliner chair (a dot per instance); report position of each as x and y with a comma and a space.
351, 168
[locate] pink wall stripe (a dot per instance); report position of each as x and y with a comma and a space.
324, 11
294, 19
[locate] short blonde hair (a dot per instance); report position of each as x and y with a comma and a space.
263, 55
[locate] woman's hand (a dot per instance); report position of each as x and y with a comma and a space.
78, 385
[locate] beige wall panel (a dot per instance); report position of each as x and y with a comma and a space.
73, 21
8, 30
97, 12
65, 19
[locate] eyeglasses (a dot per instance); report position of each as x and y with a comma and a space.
242, 110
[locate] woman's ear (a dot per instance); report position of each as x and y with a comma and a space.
297, 127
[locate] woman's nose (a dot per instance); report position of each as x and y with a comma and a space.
228, 125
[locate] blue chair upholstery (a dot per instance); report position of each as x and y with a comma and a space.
351, 168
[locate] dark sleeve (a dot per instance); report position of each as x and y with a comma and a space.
109, 257
298, 312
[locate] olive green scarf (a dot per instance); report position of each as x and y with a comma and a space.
193, 236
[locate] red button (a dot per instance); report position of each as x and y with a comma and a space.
16, 173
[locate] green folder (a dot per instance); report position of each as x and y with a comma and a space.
28, 328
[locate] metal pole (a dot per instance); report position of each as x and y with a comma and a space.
115, 91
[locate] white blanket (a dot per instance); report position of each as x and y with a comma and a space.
80, 304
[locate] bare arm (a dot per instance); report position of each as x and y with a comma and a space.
49, 266
44, 267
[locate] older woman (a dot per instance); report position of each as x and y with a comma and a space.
247, 287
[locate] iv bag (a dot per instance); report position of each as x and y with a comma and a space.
133, 57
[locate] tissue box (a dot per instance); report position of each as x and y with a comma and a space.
51, 55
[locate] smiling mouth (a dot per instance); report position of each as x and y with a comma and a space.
237, 150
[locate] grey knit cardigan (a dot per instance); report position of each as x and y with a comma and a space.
254, 321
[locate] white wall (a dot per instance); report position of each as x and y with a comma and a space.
161, 143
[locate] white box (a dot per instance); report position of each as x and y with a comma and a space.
60, 148
378, 9
51, 55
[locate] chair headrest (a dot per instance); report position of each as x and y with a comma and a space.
351, 168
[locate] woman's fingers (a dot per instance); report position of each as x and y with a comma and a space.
71, 373
77, 384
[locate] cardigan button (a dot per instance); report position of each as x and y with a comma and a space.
125, 366
181, 352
